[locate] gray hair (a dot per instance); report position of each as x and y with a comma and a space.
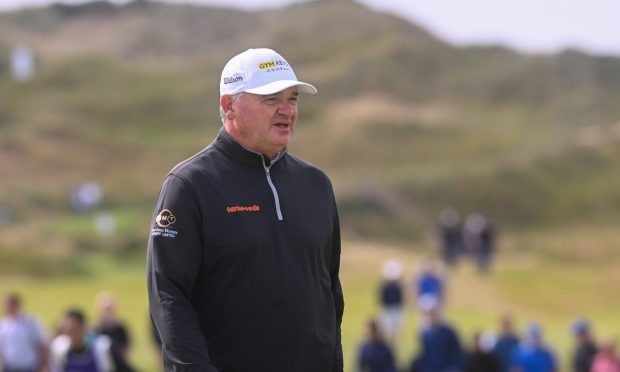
234, 98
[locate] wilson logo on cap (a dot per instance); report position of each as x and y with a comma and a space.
232, 80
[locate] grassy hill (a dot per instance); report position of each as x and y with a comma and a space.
405, 123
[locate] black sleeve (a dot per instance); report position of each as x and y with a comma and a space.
337, 291
173, 263
123, 336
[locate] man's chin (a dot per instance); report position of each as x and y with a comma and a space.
283, 140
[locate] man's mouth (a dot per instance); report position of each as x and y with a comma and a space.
282, 125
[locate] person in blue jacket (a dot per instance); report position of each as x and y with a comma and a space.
441, 349
374, 353
507, 343
429, 283
533, 355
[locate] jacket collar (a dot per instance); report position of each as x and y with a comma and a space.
231, 148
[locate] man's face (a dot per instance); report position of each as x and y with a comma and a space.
265, 124
434, 316
74, 329
11, 307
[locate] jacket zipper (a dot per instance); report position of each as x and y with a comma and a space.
272, 186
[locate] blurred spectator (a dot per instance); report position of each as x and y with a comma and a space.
105, 224
606, 359
23, 345
479, 236
481, 357
506, 344
76, 350
86, 197
533, 355
450, 235
392, 303
585, 350
440, 346
110, 326
375, 354
23, 64
429, 283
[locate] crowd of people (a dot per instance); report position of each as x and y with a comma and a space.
442, 350
104, 347
74, 347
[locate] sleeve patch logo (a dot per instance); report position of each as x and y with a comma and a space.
165, 218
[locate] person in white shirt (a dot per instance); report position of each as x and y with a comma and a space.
78, 350
23, 344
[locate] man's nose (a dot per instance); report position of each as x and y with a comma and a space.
286, 109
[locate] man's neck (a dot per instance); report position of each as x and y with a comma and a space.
269, 155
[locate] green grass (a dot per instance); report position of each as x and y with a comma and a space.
531, 287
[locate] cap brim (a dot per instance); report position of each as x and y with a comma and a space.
278, 86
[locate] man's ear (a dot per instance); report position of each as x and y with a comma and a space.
226, 103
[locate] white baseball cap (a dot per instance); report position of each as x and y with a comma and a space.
260, 71
392, 269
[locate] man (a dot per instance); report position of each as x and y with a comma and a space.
244, 251
481, 357
375, 354
428, 284
440, 345
585, 349
507, 343
112, 327
450, 235
532, 355
75, 350
23, 347
391, 302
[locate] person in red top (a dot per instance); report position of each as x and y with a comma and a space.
606, 359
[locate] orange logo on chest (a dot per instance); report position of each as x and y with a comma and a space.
241, 208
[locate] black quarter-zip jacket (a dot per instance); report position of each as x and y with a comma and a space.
243, 262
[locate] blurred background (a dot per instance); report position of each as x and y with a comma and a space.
504, 122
